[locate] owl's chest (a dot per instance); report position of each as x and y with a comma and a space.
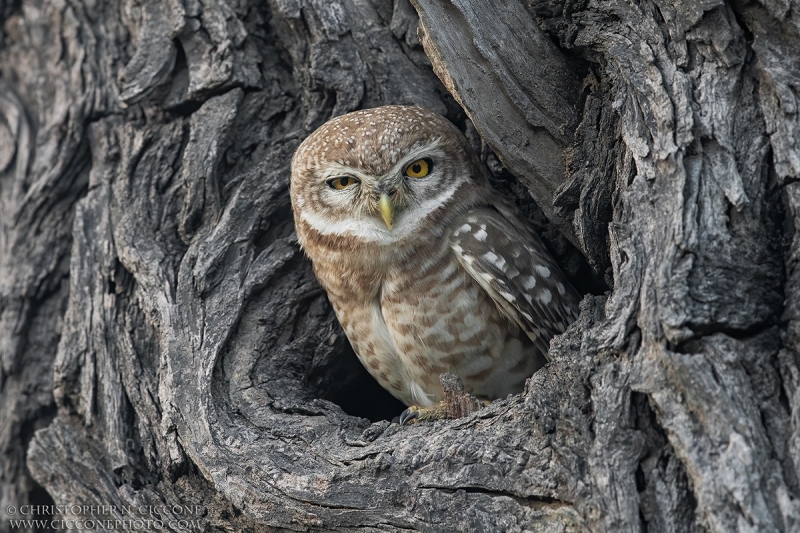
403, 289
441, 320
422, 316
435, 305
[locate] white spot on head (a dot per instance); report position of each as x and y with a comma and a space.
481, 235
463, 229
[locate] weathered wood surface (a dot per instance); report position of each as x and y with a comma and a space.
161, 330
527, 110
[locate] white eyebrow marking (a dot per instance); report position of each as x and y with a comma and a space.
431, 150
373, 230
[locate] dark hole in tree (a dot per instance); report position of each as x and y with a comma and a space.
343, 380
40, 500
347, 383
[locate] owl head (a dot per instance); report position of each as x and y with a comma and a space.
376, 175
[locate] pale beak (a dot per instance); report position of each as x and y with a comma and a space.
387, 209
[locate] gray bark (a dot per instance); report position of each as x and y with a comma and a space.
164, 343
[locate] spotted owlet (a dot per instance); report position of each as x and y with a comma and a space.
428, 268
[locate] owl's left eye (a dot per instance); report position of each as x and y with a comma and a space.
419, 168
342, 182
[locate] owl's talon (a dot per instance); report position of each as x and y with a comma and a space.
415, 414
409, 416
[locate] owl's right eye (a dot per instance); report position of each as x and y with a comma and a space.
342, 182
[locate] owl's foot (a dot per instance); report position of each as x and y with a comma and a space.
456, 404
415, 413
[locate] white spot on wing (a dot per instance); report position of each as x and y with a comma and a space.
561, 289
543, 271
481, 235
545, 296
508, 296
529, 283
496, 260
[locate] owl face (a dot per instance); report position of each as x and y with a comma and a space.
376, 175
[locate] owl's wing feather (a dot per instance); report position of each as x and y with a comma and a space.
512, 264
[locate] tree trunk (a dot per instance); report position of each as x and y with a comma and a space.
166, 352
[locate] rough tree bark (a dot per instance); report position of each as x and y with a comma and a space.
163, 342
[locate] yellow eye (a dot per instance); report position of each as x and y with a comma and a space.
342, 182
419, 168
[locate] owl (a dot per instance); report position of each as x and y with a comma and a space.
428, 268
